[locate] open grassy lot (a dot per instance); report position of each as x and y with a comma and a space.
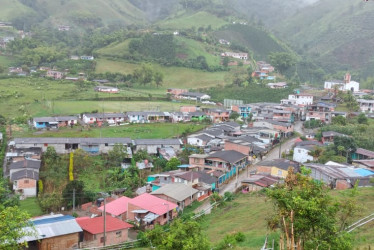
31, 206
6, 61
135, 131
175, 77
198, 19
247, 214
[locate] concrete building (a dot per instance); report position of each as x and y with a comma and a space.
346, 85
152, 145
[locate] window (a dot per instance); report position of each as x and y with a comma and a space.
15, 183
165, 216
119, 234
299, 150
102, 239
26, 181
45, 144
106, 144
280, 172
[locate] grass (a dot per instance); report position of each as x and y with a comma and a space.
6, 61
134, 131
31, 206
10, 7
175, 77
115, 49
247, 214
198, 19
42, 97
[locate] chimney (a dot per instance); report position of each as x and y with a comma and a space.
347, 78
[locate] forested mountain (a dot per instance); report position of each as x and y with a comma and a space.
339, 34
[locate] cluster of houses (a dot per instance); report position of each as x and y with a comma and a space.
263, 70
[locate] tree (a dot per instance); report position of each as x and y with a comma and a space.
182, 235
68, 193
172, 164
158, 78
117, 155
362, 119
316, 153
234, 115
144, 74
2, 120
12, 219
225, 61
307, 215
339, 120
282, 61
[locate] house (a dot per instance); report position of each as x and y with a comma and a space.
117, 208
339, 176
106, 89
285, 129
199, 140
54, 122
328, 136
179, 193
366, 105
194, 96
100, 118
74, 57
283, 115
148, 210
55, 74
116, 231
29, 164
239, 55
301, 99
224, 42
167, 153
362, 154
53, 232
88, 58
148, 116
302, 150
277, 85
25, 182
265, 67
64, 28
66, 145
244, 110
218, 115
278, 167
152, 145
320, 111
176, 92
21, 154
257, 182
190, 177
242, 144
221, 160
368, 164
345, 85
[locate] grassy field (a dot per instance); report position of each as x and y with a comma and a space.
41, 97
31, 206
175, 77
186, 21
247, 214
6, 61
134, 131
10, 7
115, 49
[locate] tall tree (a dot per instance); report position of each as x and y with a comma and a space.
307, 216
282, 61
158, 78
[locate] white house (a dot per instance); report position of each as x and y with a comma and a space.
199, 140
194, 96
242, 56
346, 85
366, 105
99, 118
299, 99
302, 150
106, 89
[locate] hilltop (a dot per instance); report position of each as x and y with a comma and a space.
339, 34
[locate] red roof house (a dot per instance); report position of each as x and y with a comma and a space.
117, 208
148, 210
93, 230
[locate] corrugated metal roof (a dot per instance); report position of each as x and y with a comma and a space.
364, 172
177, 191
64, 140
51, 226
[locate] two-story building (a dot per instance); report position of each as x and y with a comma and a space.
320, 111
285, 129
278, 167
300, 99
218, 115
366, 105
100, 118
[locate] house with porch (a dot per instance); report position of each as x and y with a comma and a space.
148, 210
366, 105
148, 116
54, 122
100, 118
362, 154
116, 230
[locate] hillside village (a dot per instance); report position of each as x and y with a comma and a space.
183, 125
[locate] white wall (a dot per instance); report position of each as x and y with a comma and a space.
195, 141
301, 155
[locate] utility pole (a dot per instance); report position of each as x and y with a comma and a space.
74, 199
280, 148
104, 221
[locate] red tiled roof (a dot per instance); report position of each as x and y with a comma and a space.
96, 225
153, 204
116, 207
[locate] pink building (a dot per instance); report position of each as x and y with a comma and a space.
187, 109
93, 230
117, 208
218, 115
151, 210
55, 74
175, 92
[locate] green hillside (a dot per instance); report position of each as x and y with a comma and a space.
260, 42
196, 20
11, 8
337, 33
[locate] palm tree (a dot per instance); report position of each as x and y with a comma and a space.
316, 153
